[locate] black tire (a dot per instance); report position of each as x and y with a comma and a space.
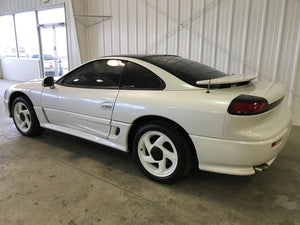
169, 158
25, 118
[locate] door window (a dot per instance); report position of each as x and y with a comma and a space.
95, 74
138, 77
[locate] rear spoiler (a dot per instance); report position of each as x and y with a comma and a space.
231, 79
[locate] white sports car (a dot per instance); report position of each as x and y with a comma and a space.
169, 111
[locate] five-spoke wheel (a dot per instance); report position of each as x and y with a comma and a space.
22, 117
25, 118
160, 151
157, 153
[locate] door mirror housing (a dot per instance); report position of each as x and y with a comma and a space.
48, 82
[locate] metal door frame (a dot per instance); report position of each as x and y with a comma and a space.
41, 26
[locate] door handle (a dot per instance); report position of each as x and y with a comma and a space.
107, 105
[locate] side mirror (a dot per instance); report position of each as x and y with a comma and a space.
48, 82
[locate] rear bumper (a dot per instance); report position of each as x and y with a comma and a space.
237, 157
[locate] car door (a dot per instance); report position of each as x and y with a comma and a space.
84, 99
140, 92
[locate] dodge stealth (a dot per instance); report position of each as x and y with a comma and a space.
170, 112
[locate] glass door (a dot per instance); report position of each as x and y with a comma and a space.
54, 49
53, 40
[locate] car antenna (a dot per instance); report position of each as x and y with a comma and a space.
208, 86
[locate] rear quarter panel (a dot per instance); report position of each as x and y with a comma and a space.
197, 112
205, 114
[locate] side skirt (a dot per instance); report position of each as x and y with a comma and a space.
84, 135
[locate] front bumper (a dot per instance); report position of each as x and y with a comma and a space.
6, 110
237, 157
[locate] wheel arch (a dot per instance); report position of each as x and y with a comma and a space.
152, 118
12, 98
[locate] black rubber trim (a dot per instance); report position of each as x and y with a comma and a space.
276, 103
250, 98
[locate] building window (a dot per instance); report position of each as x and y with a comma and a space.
7, 38
51, 16
27, 36
39, 34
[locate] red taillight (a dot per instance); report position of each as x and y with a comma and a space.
248, 105
248, 108
275, 143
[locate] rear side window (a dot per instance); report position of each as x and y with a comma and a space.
138, 77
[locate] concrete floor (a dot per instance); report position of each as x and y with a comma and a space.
59, 179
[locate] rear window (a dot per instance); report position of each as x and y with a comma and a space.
187, 70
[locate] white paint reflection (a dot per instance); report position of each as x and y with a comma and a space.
114, 62
126, 105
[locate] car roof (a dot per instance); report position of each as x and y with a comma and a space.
143, 56
186, 70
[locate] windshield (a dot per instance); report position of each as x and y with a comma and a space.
185, 69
